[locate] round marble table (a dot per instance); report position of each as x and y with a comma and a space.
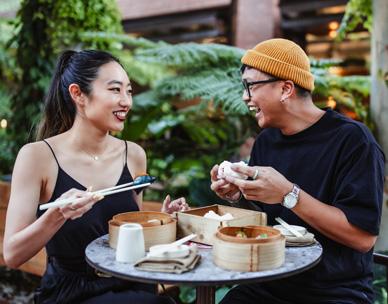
205, 276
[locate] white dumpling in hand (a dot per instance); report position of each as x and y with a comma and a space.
225, 170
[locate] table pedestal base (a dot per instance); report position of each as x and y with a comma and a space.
206, 295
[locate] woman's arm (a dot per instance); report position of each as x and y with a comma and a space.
24, 234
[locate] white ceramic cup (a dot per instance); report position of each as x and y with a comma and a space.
130, 243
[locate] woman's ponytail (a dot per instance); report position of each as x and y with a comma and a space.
59, 114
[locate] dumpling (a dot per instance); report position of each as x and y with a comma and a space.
225, 170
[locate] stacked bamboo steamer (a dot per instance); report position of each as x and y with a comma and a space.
158, 227
251, 252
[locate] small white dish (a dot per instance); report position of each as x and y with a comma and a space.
168, 251
285, 232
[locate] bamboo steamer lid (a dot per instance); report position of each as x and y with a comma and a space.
251, 232
250, 253
158, 227
144, 218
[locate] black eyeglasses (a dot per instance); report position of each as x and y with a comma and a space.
248, 84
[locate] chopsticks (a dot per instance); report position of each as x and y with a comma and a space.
115, 187
103, 192
288, 227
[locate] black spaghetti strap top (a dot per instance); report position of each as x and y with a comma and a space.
69, 243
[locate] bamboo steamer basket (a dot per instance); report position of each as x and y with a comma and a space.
193, 221
158, 227
251, 253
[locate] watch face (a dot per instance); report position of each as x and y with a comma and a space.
290, 201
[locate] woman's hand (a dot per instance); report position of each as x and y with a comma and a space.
175, 205
85, 201
223, 188
269, 186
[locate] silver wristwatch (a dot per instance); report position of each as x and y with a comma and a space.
291, 199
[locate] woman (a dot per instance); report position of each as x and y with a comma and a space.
90, 95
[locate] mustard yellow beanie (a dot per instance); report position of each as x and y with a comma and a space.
281, 58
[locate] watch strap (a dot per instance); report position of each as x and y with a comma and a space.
295, 190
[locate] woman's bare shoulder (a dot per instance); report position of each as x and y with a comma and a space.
137, 157
36, 150
136, 151
35, 156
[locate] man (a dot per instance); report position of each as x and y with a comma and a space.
313, 168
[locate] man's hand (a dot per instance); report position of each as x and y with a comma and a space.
222, 187
269, 186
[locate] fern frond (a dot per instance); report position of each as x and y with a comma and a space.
222, 87
127, 40
146, 100
355, 84
142, 73
188, 56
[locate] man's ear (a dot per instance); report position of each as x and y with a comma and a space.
288, 90
76, 94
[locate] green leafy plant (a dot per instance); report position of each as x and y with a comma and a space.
43, 29
350, 92
357, 12
188, 294
8, 72
192, 118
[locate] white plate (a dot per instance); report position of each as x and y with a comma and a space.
285, 232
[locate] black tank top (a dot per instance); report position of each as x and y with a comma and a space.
70, 241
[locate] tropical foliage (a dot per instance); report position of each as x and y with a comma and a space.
187, 114
42, 29
357, 12
8, 70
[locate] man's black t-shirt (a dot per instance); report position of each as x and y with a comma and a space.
338, 162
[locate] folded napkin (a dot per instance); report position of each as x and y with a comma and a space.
306, 240
163, 264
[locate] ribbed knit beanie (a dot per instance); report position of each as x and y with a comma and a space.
281, 58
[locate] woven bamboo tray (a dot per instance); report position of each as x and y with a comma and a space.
193, 221
158, 227
250, 253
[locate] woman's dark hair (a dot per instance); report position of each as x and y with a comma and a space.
80, 68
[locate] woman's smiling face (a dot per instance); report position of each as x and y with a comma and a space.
110, 100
